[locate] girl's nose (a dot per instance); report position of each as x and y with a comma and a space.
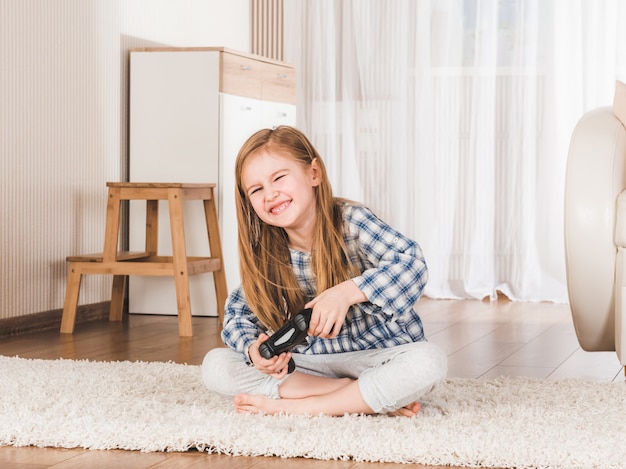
271, 194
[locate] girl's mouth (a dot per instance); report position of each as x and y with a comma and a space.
280, 208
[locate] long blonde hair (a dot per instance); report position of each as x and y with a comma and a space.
268, 280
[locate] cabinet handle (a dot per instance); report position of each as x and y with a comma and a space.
246, 108
245, 67
281, 76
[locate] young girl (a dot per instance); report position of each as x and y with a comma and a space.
300, 247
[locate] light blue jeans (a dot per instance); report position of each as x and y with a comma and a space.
389, 378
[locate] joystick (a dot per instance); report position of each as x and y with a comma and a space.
287, 337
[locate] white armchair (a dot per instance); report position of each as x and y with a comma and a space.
595, 231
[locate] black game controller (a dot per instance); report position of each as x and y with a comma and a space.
287, 337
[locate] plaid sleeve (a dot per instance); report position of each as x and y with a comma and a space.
241, 327
395, 272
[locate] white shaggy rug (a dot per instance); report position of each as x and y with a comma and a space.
519, 423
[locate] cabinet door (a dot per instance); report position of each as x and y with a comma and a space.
173, 116
173, 138
275, 114
239, 118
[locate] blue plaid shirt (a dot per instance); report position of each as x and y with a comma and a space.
393, 276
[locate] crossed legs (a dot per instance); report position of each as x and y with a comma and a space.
373, 381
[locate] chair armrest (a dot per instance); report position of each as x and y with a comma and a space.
620, 305
620, 220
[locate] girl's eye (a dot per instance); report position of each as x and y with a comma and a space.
254, 191
279, 177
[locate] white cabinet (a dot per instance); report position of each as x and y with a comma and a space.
190, 112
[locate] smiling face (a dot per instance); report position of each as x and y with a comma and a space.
281, 191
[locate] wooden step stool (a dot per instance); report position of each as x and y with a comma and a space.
125, 263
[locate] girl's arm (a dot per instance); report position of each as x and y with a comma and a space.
243, 332
330, 308
241, 327
393, 278
394, 269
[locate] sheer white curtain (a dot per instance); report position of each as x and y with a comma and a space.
451, 119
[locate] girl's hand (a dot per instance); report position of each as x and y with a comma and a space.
331, 307
276, 367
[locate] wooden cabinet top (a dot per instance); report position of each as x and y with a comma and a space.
212, 49
245, 74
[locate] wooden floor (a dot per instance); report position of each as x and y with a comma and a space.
482, 340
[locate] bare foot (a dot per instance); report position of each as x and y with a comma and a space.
410, 410
246, 403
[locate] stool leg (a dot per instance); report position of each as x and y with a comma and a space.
112, 226
152, 226
215, 245
71, 299
116, 310
179, 259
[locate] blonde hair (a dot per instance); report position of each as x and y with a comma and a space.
268, 280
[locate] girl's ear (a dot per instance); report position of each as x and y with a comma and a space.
315, 173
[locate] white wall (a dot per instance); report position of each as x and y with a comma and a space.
63, 126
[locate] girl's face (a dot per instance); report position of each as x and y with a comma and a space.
281, 191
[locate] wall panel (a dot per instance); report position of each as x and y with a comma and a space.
63, 126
